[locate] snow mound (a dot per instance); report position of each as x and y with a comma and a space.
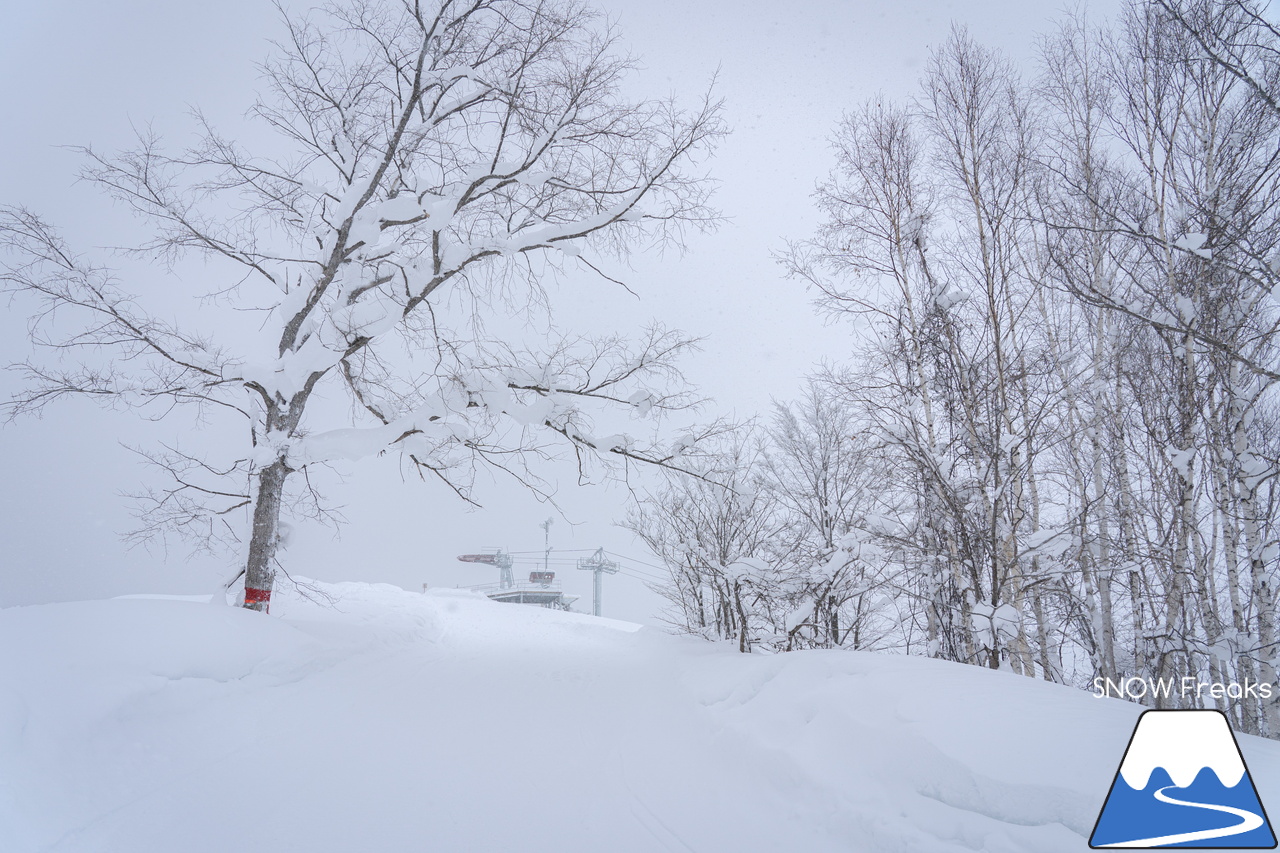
362, 717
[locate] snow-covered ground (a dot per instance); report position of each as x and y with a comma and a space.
393, 721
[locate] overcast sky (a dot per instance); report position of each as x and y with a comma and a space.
78, 73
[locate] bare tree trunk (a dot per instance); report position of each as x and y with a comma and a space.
260, 569
744, 643
1050, 661
1104, 360
1249, 710
1264, 601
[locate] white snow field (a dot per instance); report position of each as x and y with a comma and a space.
399, 722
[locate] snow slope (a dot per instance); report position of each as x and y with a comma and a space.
392, 721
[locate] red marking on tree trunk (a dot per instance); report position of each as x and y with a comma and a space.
255, 596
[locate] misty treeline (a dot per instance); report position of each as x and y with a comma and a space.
1053, 447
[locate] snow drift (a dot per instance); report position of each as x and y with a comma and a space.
373, 719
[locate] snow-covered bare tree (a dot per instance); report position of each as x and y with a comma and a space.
1161, 222
1067, 346
818, 469
925, 239
431, 162
718, 536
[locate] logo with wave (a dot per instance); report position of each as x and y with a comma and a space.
1183, 783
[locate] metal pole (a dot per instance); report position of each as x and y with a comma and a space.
546, 541
598, 566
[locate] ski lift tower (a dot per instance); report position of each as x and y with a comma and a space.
501, 559
597, 565
542, 589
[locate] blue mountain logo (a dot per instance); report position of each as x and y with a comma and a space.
1183, 783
